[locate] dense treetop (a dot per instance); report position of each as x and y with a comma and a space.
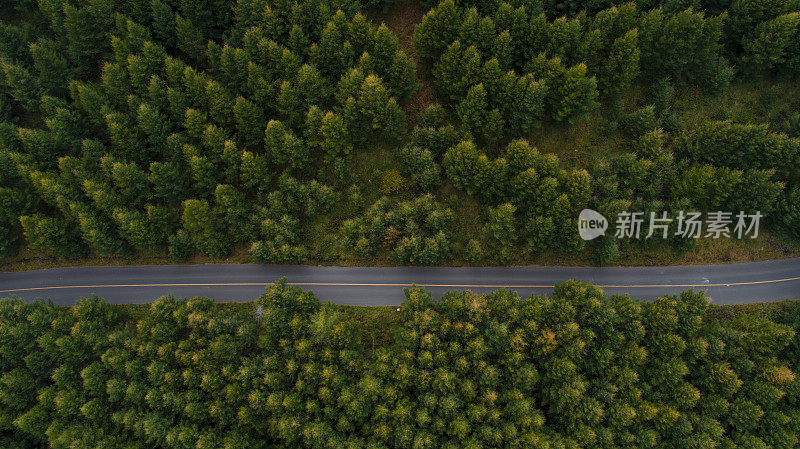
162, 127
572, 370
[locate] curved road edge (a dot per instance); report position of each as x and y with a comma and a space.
379, 286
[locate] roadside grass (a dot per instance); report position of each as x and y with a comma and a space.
324, 242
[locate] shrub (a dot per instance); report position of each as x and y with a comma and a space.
638, 122
473, 253
418, 231
181, 248
392, 181
418, 166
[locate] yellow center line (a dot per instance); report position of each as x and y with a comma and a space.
345, 284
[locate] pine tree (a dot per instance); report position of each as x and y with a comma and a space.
384, 51
162, 23
231, 205
52, 67
167, 182
189, 40
250, 123
469, 33
502, 50
153, 126
14, 42
563, 37
571, 93
447, 71
770, 46
220, 104
195, 123
98, 233
333, 56
361, 34
280, 144
472, 70
88, 32
335, 140
472, 110
372, 115
527, 105
124, 137
438, 29
22, 85
418, 165
471, 171
247, 14
684, 47
205, 229
131, 183
51, 236
501, 224
621, 66
256, 172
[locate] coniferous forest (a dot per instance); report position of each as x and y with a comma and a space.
578, 369
280, 131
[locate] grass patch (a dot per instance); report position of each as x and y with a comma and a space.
758, 101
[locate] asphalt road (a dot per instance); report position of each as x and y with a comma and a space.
725, 284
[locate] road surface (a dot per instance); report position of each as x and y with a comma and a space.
725, 284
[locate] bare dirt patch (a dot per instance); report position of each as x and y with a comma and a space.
402, 18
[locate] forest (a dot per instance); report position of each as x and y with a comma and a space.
577, 369
277, 131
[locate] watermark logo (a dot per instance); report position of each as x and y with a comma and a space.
692, 224
591, 224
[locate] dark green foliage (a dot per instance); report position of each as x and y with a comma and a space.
638, 122
181, 248
14, 41
607, 250
712, 188
773, 46
437, 30
52, 66
250, 122
684, 47
98, 232
162, 23
220, 136
742, 147
116, 113
437, 139
789, 211
189, 40
88, 32
473, 252
205, 228
51, 236
21, 84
